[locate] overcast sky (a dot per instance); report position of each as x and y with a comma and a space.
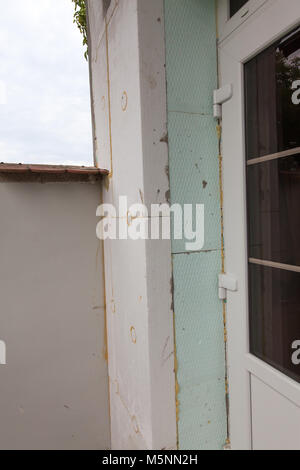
46, 117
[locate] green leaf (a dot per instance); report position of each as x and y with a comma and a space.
80, 21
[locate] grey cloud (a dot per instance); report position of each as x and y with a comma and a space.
47, 115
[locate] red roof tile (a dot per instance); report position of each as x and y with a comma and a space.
50, 169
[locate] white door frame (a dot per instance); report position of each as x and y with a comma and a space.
268, 23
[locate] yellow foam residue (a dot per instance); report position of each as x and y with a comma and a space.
224, 311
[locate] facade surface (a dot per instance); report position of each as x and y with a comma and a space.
54, 386
150, 307
191, 58
130, 124
149, 141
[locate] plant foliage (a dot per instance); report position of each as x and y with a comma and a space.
80, 21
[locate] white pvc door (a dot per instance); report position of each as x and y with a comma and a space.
261, 177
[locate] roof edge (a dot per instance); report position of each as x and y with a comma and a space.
22, 168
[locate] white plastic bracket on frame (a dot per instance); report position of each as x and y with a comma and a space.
221, 96
227, 282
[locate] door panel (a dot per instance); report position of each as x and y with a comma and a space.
272, 416
261, 149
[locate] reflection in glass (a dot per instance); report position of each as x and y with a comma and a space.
236, 5
272, 115
274, 317
272, 80
273, 190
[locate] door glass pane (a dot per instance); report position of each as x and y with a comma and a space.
236, 5
275, 317
272, 94
272, 81
273, 210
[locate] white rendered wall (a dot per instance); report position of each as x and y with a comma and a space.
54, 387
129, 97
